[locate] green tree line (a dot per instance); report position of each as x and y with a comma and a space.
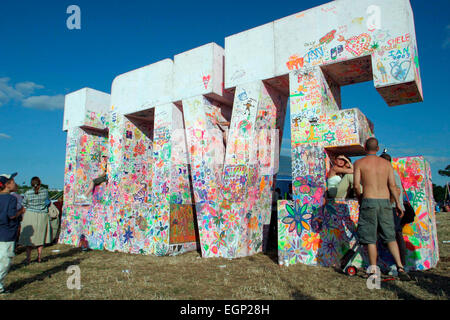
52, 194
440, 191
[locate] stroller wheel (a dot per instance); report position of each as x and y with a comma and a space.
351, 271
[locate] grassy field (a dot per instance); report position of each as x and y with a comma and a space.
104, 276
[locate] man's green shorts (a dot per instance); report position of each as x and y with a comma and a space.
375, 217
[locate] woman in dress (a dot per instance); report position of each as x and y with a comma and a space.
35, 230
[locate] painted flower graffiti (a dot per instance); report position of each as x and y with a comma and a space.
297, 219
128, 235
312, 241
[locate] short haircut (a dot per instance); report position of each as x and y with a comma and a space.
3, 185
386, 156
35, 180
372, 144
35, 183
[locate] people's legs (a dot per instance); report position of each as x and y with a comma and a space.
399, 236
89, 189
4, 263
39, 250
393, 249
387, 234
367, 229
6, 255
373, 255
401, 246
29, 248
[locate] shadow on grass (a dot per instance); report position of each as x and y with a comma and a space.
297, 295
14, 286
20, 249
433, 283
401, 293
294, 292
65, 254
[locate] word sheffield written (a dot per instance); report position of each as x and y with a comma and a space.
235, 309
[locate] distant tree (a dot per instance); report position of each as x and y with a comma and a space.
24, 188
445, 172
438, 193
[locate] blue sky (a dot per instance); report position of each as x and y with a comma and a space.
41, 61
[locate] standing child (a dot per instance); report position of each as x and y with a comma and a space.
9, 224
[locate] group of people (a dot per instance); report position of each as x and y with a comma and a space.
23, 221
378, 188
372, 179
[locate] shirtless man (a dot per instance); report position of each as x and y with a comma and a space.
376, 176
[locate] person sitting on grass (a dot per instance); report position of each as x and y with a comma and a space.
97, 181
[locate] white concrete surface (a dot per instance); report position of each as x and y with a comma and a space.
199, 71
143, 88
249, 56
336, 31
81, 102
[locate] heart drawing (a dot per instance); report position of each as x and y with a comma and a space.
206, 81
400, 70
357, 45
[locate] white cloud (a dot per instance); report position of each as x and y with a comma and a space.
22, 92
27, 87
7, 92
44, 102
437, 159
4, 136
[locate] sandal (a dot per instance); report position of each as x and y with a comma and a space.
402, 275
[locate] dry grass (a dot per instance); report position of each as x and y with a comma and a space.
188, 276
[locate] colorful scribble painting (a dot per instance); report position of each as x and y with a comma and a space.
182, 228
